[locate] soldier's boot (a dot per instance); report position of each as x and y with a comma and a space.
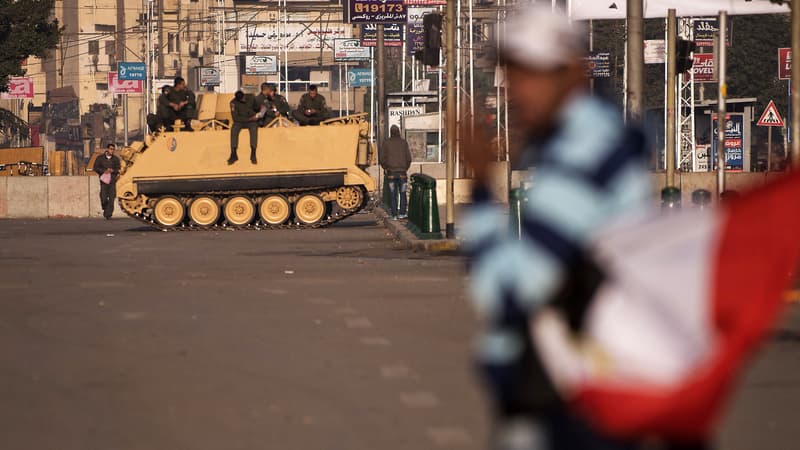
253, 155
233, 157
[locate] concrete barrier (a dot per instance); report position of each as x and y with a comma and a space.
26, 197
68, 196
95, 210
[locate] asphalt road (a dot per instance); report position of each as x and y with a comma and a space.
115, 337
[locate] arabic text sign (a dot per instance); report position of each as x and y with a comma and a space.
359, 77
392, 35
598, 65
260, 64
415, 32
117, 86
704, 32
703, 68
18, 87
784, 63
345, 50
377, 11
209, 76
271, 37
127, 71
426, 2
734, 142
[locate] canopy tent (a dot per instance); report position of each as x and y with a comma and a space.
615, 9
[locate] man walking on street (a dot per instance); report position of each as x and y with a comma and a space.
395, 159
312, 108
245, 114
107, 167
271, 103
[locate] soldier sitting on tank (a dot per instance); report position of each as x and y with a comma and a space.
271, 103
312, 108
164, 113
182, 102
245, 113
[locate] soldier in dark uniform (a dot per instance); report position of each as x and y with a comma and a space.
182, 103
312, 108
272, 103
245, 114
165, 113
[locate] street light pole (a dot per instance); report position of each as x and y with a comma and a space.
635, 74
670, 135
450, 31
722, 98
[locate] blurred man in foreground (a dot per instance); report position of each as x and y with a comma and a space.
608, 327
590, 170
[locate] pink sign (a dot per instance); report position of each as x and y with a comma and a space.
19, 87
784, 63
117, 86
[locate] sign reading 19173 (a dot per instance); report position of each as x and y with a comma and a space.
377, 11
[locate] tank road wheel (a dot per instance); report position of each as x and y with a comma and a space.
349, 197
274, 210
204, 211
169, 211
239, 210
309, 209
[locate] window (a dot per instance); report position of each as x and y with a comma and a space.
101, 86
111, 47
94, 47
172, 43
105, 29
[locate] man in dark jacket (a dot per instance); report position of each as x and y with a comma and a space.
182, 102
312, 108
271, 103
395, 159
245, 114
107, 167
166, 115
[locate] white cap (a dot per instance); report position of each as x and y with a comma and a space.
540, 39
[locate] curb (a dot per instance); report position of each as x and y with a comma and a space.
410, 240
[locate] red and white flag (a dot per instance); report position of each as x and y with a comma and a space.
687, 299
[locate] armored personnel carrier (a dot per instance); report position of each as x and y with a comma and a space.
305, 177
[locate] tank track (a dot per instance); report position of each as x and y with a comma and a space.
336, 214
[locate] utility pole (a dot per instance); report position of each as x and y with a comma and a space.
450, 31
635, 75
379, 78
722, 98
795, 83
670, 134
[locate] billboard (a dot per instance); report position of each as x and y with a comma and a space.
260, 64
784, 63
703, 68
359, 77
18, 87
270, 37
117, 86
415, 33
392, 35
734, 142
593, 9
377, 11
131, 71
598, 65
209, 76
346, 50
703, 31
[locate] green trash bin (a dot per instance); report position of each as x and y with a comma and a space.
423, 218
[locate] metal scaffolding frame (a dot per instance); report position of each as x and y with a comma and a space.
686, 108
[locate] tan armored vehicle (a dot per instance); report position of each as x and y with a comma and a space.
305, 177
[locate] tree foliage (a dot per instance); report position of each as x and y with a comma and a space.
27, 28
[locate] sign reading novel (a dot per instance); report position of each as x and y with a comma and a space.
784, 63
734, 142
598, 65
703, 68
117, 86
377, 11
392, 35
347, 50
18, 87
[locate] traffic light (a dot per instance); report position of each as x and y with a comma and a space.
432, 24
684, 58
